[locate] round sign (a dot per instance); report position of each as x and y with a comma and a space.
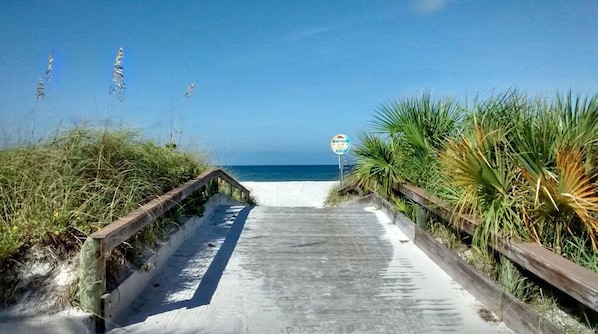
340, 144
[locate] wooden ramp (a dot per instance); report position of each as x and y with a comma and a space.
302, 270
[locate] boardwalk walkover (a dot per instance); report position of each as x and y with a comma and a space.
302, 270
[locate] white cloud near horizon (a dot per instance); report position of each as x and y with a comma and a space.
429, 6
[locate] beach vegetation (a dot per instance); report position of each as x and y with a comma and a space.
56, 190
335, 198
527, 166
54, 193
407, 137
377, 168
405, 206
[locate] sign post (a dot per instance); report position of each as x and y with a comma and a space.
340, 144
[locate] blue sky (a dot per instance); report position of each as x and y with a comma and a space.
277, 79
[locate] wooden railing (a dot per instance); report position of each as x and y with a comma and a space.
565, 275
97, 246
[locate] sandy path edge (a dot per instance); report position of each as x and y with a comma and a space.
290, 193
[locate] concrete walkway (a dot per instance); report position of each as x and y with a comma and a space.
303, 270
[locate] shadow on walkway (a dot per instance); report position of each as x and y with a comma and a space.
205, 291
172, 278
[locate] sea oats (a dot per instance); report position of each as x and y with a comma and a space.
118, 77
49, 67
39, 91
190, 89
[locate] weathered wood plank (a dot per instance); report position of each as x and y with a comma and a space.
439, 207
576, 281
511, 311
244, 191
92, 280
123, 228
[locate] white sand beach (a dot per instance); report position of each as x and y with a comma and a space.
293, 193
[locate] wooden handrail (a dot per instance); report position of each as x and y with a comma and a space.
123, 228
347, 189
439, 207
97, 246
565, 275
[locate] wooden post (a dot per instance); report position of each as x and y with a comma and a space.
421, 216
92, 280
213, 186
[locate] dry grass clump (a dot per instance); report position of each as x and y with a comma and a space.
333, 198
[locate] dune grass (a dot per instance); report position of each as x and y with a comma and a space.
80, 181
56, 192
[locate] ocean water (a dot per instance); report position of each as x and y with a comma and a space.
285, 173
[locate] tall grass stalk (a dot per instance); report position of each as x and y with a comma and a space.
40, 90
510, 278
118, 77
173, 142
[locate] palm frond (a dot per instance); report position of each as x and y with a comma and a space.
576, 191
564, 197
377, 167
479, 170
423, 122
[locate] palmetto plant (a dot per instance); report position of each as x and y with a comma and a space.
527, 167
566, 197
557, 154
408, 137
378, 164
409, 134
579, 125
424, 123
501, 111
479, 171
